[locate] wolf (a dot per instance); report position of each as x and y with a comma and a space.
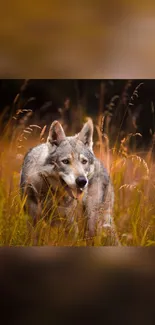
65, 170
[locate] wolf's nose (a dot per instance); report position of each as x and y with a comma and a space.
81, 181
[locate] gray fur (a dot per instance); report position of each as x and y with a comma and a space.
45, 166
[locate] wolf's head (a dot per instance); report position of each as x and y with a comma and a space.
72, 157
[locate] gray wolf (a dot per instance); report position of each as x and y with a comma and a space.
65, 170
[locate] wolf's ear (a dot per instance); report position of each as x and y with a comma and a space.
86, 134
56, 133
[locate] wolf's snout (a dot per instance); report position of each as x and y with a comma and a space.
81, 181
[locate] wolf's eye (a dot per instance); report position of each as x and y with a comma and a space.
84, 161
65, 161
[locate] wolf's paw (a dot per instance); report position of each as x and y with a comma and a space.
47, 171
107, 226
90, 241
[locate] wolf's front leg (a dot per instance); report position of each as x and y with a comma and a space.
92, 203
106, 231
46, 170
34, 211
72, 224
99, 206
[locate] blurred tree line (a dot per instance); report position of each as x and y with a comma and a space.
126, 105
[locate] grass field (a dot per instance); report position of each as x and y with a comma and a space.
133, 179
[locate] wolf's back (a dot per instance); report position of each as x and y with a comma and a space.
33, 159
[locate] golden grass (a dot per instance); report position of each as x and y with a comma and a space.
132, 176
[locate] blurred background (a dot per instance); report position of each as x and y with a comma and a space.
80, 286
118, 106
80, 39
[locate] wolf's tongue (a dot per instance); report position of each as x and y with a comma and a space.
70, 192
77, 193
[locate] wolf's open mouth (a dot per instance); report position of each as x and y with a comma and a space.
74, 193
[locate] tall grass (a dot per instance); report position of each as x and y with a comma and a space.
133, 179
